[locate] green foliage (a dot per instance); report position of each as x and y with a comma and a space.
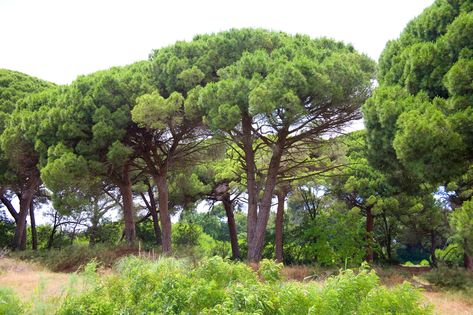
426, 95
270, 270
10, 304
7, 230
403, 299
462, 223
450, 277
186, 234
217, 286
335, 237
452, 255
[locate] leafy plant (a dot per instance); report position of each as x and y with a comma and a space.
9, 302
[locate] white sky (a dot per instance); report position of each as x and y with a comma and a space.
57, 40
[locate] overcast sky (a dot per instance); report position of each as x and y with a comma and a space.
57, 40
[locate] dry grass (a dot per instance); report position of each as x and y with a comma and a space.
448, 303
26, 279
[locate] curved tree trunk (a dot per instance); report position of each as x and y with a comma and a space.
161, 183
279, 227
227, 204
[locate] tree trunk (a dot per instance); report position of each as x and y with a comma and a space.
387, 237
154, 214
227, 204
53, 231
20, 230
433, 246
279, 227
51, 237
128, 211
255, 248
93, 228
252, 216
467, 259
34, 235
161, 183
369, 235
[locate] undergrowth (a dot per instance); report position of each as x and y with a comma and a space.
217, 286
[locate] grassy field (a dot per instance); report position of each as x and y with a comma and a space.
43, 288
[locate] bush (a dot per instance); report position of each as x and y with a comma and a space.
74, 257
7, 231
450, 277
452, 255
9, 303
218, 286
270, 271
186, 234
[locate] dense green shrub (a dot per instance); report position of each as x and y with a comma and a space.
452, 255
7, 230
450, 277
186, 234
335, 238
217, 286
9, 303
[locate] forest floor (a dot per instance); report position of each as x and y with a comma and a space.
34, 283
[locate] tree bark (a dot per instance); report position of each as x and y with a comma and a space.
51, 237
34, 235
154, 214
467, 259
227, 204
279, 227
94, 226
433, 246
124, 185
19, 242
255, 248
369, 235
162, 185
252, 216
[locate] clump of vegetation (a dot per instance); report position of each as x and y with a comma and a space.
9, 303
450, 277
217, 286
72, 258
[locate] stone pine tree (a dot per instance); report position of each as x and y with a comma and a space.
18, 156
286, 91
173, 128
420, 120
90, 127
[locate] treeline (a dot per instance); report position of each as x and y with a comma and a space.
252, 121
